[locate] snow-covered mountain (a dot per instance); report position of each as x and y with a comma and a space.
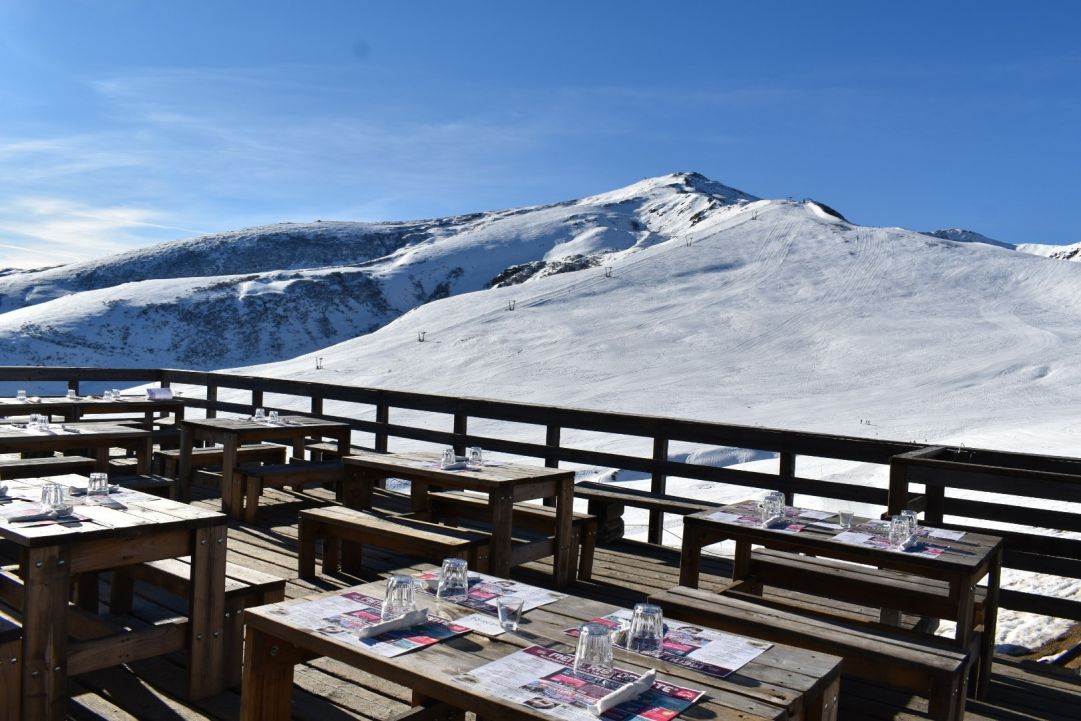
967, 236
269, 293
1058, 252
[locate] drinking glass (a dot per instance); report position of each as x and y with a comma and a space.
772, 507
20, 394
260, 415
35, 421
844, 518
272, 416
53, 496
594, 654
647, 629
453, 578
913, 520
98, 487
116, 394
71, 394
898, 531
510, 611
448, 458
107, 395
401, 597
476, 456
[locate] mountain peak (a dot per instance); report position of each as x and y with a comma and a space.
963, 235
680, 182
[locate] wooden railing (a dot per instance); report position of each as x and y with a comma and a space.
1057, 556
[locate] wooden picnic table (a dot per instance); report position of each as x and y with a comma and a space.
231, 433
782, 683
77, 436
74, 409
100, 538
504, 483
961, 565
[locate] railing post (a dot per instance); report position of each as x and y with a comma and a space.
658, 486
551, 440
256, 400
211, 399
317, 406
787, 471
461, 426
551, 453
74, 386
382, 417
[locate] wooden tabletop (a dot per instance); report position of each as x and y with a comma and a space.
968, 554
424, 466
73, 431
84, 404
217, 428
773, 686
140, 512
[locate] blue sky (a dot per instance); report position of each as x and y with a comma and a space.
126, 123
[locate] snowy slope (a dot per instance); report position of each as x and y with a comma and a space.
774, 313
967, 236
275, 292
1058, 252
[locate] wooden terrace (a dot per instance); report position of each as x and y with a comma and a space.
623, 572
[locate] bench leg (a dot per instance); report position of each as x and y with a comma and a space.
307, 532
947, 700
332, 553
11, 680
586, 553
351, 557
252, 488
824, 707
121, 591
234, 644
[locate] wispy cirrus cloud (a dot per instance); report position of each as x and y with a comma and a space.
36, 231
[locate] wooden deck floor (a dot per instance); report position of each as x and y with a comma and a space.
329, 691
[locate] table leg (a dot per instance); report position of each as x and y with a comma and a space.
101, 459
566, 556
357, 488
418, 497
183, 481
206, 671
690, 558
143, 455
502, 505
45, 633
741, 560
990, 626
267, 691
232, 497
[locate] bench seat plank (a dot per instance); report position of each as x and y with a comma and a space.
408, 536
926, 666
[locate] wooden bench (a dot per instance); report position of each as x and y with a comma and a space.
254, 478
854, 583
607, 502
328, 451
925, 666
449, 506
11, 646
148, 483
208, 457
408, 536
11, 469
244, 588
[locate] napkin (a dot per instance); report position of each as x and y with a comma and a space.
632, 690
56, 515
159, 394
413, 618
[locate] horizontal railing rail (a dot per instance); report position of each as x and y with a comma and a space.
996, 471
